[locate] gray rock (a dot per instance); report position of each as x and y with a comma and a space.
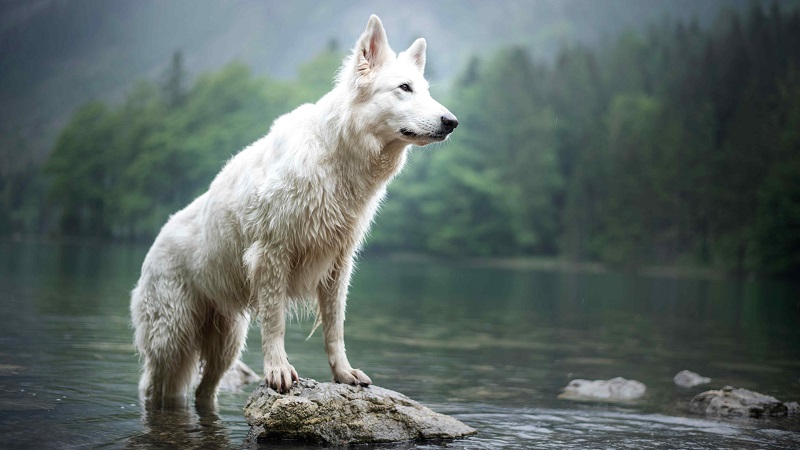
793, 407
336, 414
613, 390
687, 379
237, 377
730, 402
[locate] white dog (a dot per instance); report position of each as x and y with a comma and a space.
280, 224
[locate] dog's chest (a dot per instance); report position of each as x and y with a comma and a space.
326, 223
315, 215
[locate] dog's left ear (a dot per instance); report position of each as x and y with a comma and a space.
416, 53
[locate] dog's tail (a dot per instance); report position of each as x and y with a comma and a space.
317, 322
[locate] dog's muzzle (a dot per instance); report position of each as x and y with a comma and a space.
448, 123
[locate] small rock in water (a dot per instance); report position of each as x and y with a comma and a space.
238, 376
336, 414
730, 402
794, 408
687, 379
613, 390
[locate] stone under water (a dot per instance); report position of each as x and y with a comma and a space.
237, 377
613, 390
336, 414
687, 379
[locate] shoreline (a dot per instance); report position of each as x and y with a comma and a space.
557, 264
522, 263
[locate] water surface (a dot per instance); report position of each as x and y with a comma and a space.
492, 347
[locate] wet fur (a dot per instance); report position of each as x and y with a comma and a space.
280, 227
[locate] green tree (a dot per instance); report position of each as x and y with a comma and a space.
577, 94
777, 229
175, 81
777, 226
632, 203
144, 117
81, 169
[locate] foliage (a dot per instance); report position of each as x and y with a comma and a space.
491, 191
676, 145
668, 146
120, 173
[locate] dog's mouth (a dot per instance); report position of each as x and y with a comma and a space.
432, 137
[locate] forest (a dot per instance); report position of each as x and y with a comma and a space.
676, 145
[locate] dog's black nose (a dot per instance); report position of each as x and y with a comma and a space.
449, 122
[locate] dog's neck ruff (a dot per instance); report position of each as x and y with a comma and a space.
370, 157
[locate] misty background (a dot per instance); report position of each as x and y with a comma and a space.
625, 132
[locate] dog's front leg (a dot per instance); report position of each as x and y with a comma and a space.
332, 296
268, 275
279, 374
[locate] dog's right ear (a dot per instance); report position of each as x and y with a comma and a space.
372, 48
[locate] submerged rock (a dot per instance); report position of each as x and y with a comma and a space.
330, 413
687, 379
237, 377
613, 390
731, 402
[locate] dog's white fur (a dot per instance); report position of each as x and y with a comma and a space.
281, 223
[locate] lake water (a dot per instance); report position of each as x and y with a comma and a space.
492, 347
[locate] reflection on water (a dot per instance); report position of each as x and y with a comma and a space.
492, 347
181, 429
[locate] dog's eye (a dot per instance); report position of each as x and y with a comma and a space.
405, 87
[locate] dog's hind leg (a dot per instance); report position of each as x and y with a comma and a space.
221, 341
166, 338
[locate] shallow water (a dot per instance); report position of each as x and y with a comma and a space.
492, 347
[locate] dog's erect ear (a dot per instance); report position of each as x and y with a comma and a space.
416, 53
372, 48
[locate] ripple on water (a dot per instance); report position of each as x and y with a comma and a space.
600, 429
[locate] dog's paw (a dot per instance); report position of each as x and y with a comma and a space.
281, 378
353, 377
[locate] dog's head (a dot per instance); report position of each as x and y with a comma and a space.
390, 91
